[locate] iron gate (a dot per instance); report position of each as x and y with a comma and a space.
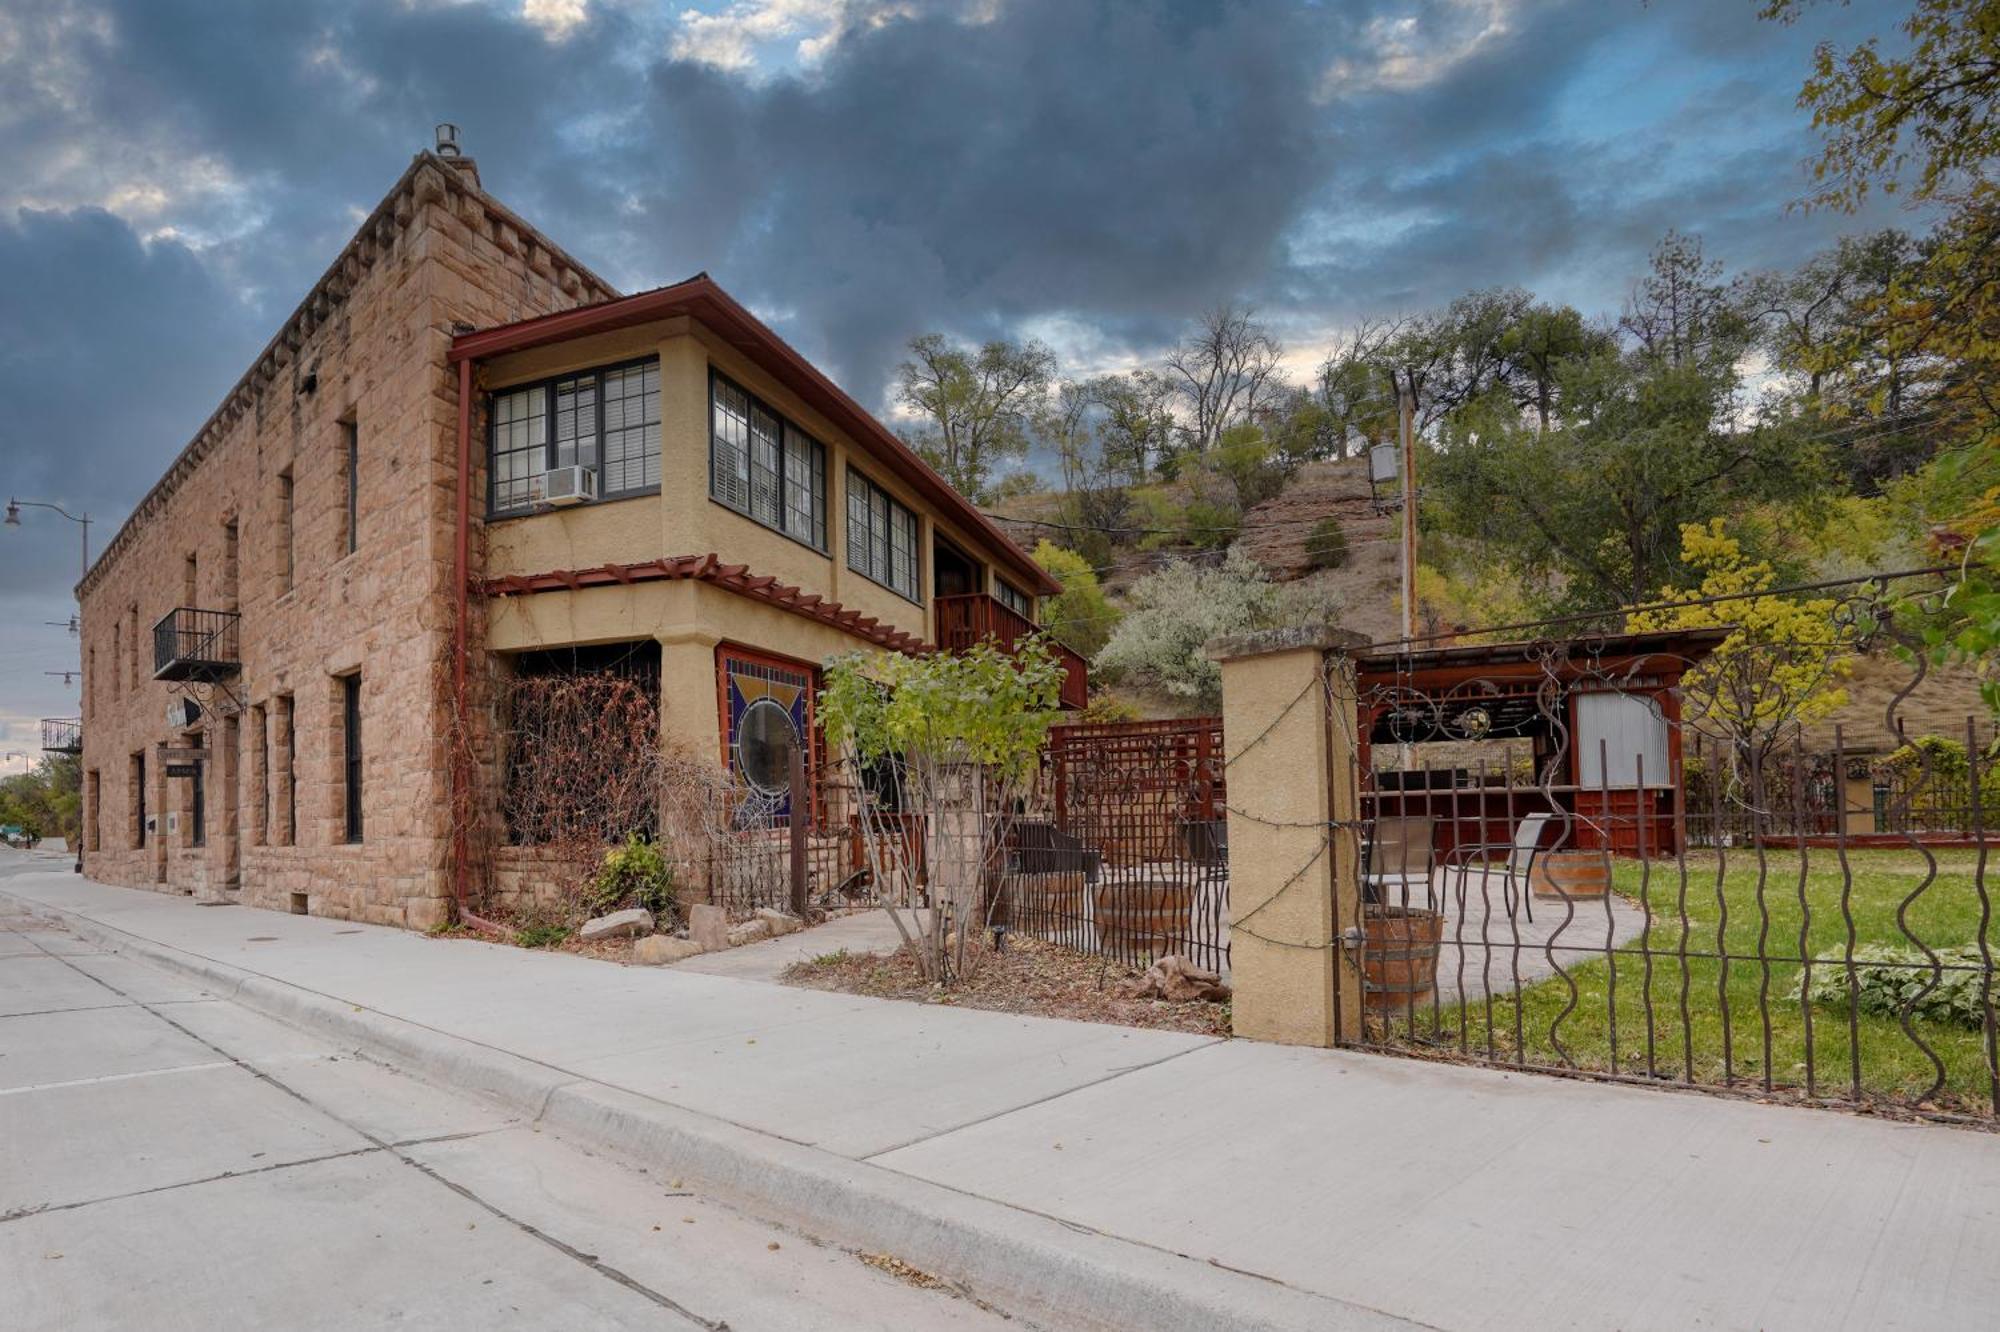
1594, 855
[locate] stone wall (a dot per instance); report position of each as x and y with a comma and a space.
366, 350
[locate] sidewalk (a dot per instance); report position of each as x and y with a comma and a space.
1150, 1179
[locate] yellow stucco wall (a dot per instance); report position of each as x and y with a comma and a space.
683, 520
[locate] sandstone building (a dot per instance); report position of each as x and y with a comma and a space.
462, 452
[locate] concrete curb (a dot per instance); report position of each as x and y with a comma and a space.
1024, 1262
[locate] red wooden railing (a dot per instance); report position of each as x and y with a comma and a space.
964, 621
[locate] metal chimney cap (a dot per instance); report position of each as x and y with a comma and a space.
447, 140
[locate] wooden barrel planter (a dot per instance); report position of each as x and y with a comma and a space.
1399, 961
1051, 905
1572, 874
1142, 916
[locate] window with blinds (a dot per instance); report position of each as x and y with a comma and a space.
607, 420
765, 467
1014, 599
881, 537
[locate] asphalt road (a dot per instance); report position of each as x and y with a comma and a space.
169, 1159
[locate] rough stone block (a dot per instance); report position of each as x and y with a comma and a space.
660, 949
780, 923
618, 925
708, 926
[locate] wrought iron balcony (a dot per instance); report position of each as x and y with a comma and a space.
62, 735
965, 621
200, 645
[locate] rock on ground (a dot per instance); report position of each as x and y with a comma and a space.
661, 949
618, 925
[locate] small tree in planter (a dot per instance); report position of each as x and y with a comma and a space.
960, 735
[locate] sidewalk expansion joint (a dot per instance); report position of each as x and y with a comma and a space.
875, 1157
379, 1144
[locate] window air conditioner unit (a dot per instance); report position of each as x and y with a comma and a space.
569, 485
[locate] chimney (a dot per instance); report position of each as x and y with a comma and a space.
448, 149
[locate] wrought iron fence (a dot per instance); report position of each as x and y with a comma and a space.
1611, 855
1133, 863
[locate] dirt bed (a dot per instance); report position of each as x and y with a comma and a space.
1029, 977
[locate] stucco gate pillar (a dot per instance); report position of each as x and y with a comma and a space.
1288, 731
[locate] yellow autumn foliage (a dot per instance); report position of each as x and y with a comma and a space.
1783, 664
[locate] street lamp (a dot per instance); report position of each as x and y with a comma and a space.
14, 507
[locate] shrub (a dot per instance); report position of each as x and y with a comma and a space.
541, 934
635, 874
1890, 980
1178, 608
1326, 544
1079, 615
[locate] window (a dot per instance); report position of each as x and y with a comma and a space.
288, 774
350, 466
197, 801
260, 812
881, 537
229, 565
286, 513
767, 716
764, 467
1014, 599
137, 803
607, 420
350, 735
117, 658
93, 799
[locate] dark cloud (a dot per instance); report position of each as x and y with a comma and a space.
1117, 164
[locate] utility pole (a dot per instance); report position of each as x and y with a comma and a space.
1406, 405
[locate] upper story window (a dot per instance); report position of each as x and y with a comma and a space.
607, 420
1014, 599
881, 537
764, 467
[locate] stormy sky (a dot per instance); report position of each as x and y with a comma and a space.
174, 173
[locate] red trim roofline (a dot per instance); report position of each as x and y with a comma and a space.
735, 578
702, 299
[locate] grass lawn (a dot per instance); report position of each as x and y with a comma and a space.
1766, 1036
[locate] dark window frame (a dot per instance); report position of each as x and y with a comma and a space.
547, 388
198, 800
818, 520
350, 430
1024, 607
890, 509
350, 756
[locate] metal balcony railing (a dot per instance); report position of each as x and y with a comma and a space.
62, 735
964, 621
191, 644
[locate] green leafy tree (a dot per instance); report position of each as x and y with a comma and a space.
1594, 506
959, 737
1925, 123
974, 404
1079, 615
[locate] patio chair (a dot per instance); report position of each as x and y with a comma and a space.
1512, 871
1399, 856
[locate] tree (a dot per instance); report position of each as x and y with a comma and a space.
1222, 373
1355, 389
1079, 615
47, 799
1135, 430
1926, 123
1782, 664
961, 735
1595, 505
1682, 313
1176, 610
975, 404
